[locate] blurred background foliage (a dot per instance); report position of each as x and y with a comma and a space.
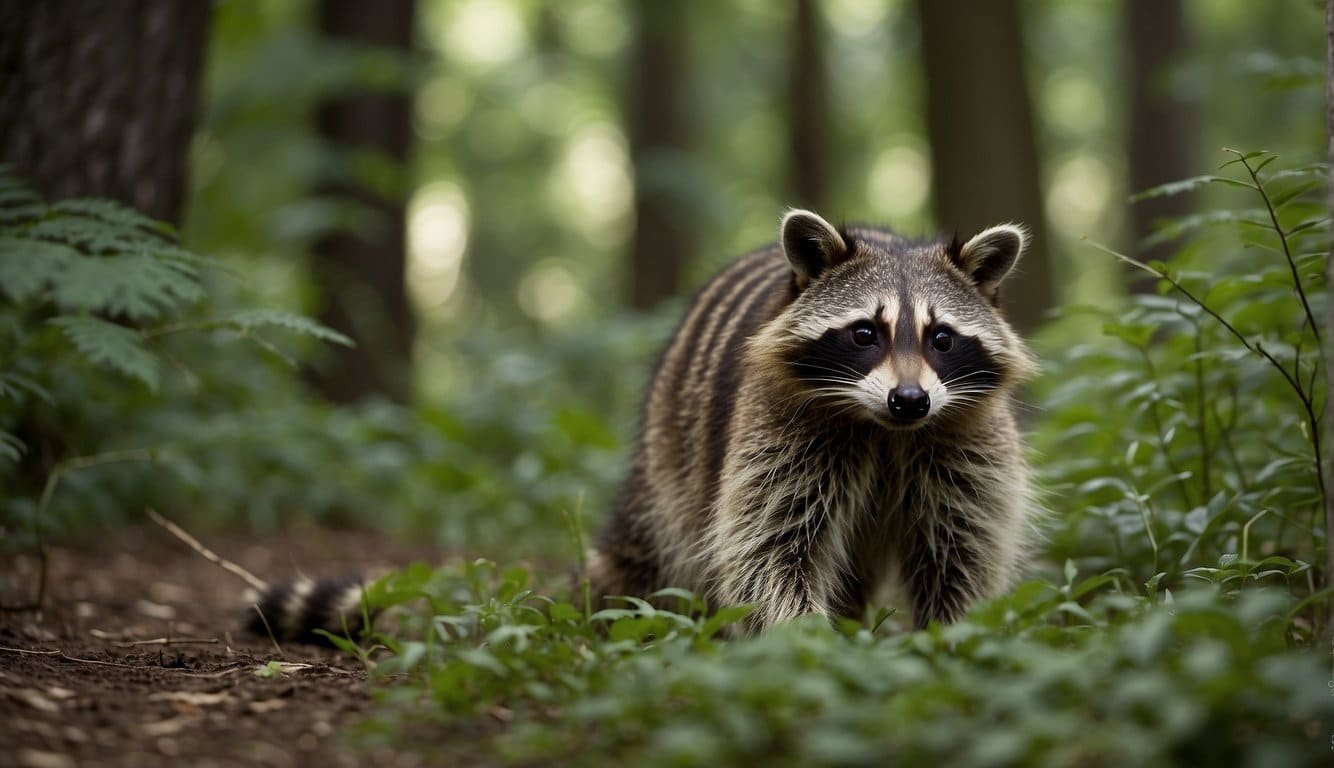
503, 203
559, 155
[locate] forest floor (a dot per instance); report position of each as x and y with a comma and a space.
139, 659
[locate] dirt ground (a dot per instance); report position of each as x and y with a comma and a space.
138, 658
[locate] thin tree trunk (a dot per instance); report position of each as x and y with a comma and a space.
984, 154
100, 98
1328, 468
361, 275
1164, 129
807, 108
656, 102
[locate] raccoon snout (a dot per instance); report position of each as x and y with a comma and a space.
909, 402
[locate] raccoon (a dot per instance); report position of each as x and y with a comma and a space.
834, 414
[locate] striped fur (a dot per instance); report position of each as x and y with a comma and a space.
293, 611
784, 464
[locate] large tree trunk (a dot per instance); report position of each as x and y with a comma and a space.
807, 108
100, 98
361, 275
1164, 129
984, 153
656, 106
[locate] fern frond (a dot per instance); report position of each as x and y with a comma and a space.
111, 212
13, 385
272, 318
11, 448
93, 236
18, 203
27, 267
24, 213
118, 348
135, 285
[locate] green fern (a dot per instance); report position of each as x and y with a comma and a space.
139, 286
11, 448
252, 319
15, 385
29, 267
107, 344
113, 282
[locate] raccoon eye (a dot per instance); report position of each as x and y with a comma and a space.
943, 341
863, 334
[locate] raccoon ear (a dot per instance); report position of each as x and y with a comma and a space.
988, 257
811, 245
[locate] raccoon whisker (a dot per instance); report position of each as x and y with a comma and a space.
961, 377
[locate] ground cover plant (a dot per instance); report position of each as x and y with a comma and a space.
1176, 617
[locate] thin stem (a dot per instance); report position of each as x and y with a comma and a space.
1160, 430
1201, 415
1283, 239
1225, 428
49, 490
1295, 383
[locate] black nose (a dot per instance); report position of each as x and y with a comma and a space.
908, 402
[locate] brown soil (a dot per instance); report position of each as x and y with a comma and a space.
138, 658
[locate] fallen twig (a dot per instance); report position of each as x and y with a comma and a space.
169, 641
206, 553
61, 654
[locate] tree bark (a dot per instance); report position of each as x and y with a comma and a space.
659, 136
361, 275
1164, 129
984, 154
100, 99
1328, 434
807, 108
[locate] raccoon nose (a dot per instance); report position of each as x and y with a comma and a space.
909, 402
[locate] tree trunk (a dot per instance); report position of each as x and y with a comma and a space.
361, 275
1328, 435
1164, 129
807, 108
100, 98
984, 155
656, 103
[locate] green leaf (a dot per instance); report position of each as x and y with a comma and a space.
139, 286
271, 318
111, 212
11, 448
28, 267
21, 214
13, 385
1183, 186
1283, 198
107, 344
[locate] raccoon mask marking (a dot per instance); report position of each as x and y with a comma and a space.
833, 414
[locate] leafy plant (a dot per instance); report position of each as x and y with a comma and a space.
91, 287
1217, 382
1180, 454
1054, 674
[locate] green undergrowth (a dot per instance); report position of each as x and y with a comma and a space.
137, 373
1074, 673
1177, 617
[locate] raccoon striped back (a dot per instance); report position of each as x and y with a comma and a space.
684, 422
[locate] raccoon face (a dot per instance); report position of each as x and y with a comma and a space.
898, 332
